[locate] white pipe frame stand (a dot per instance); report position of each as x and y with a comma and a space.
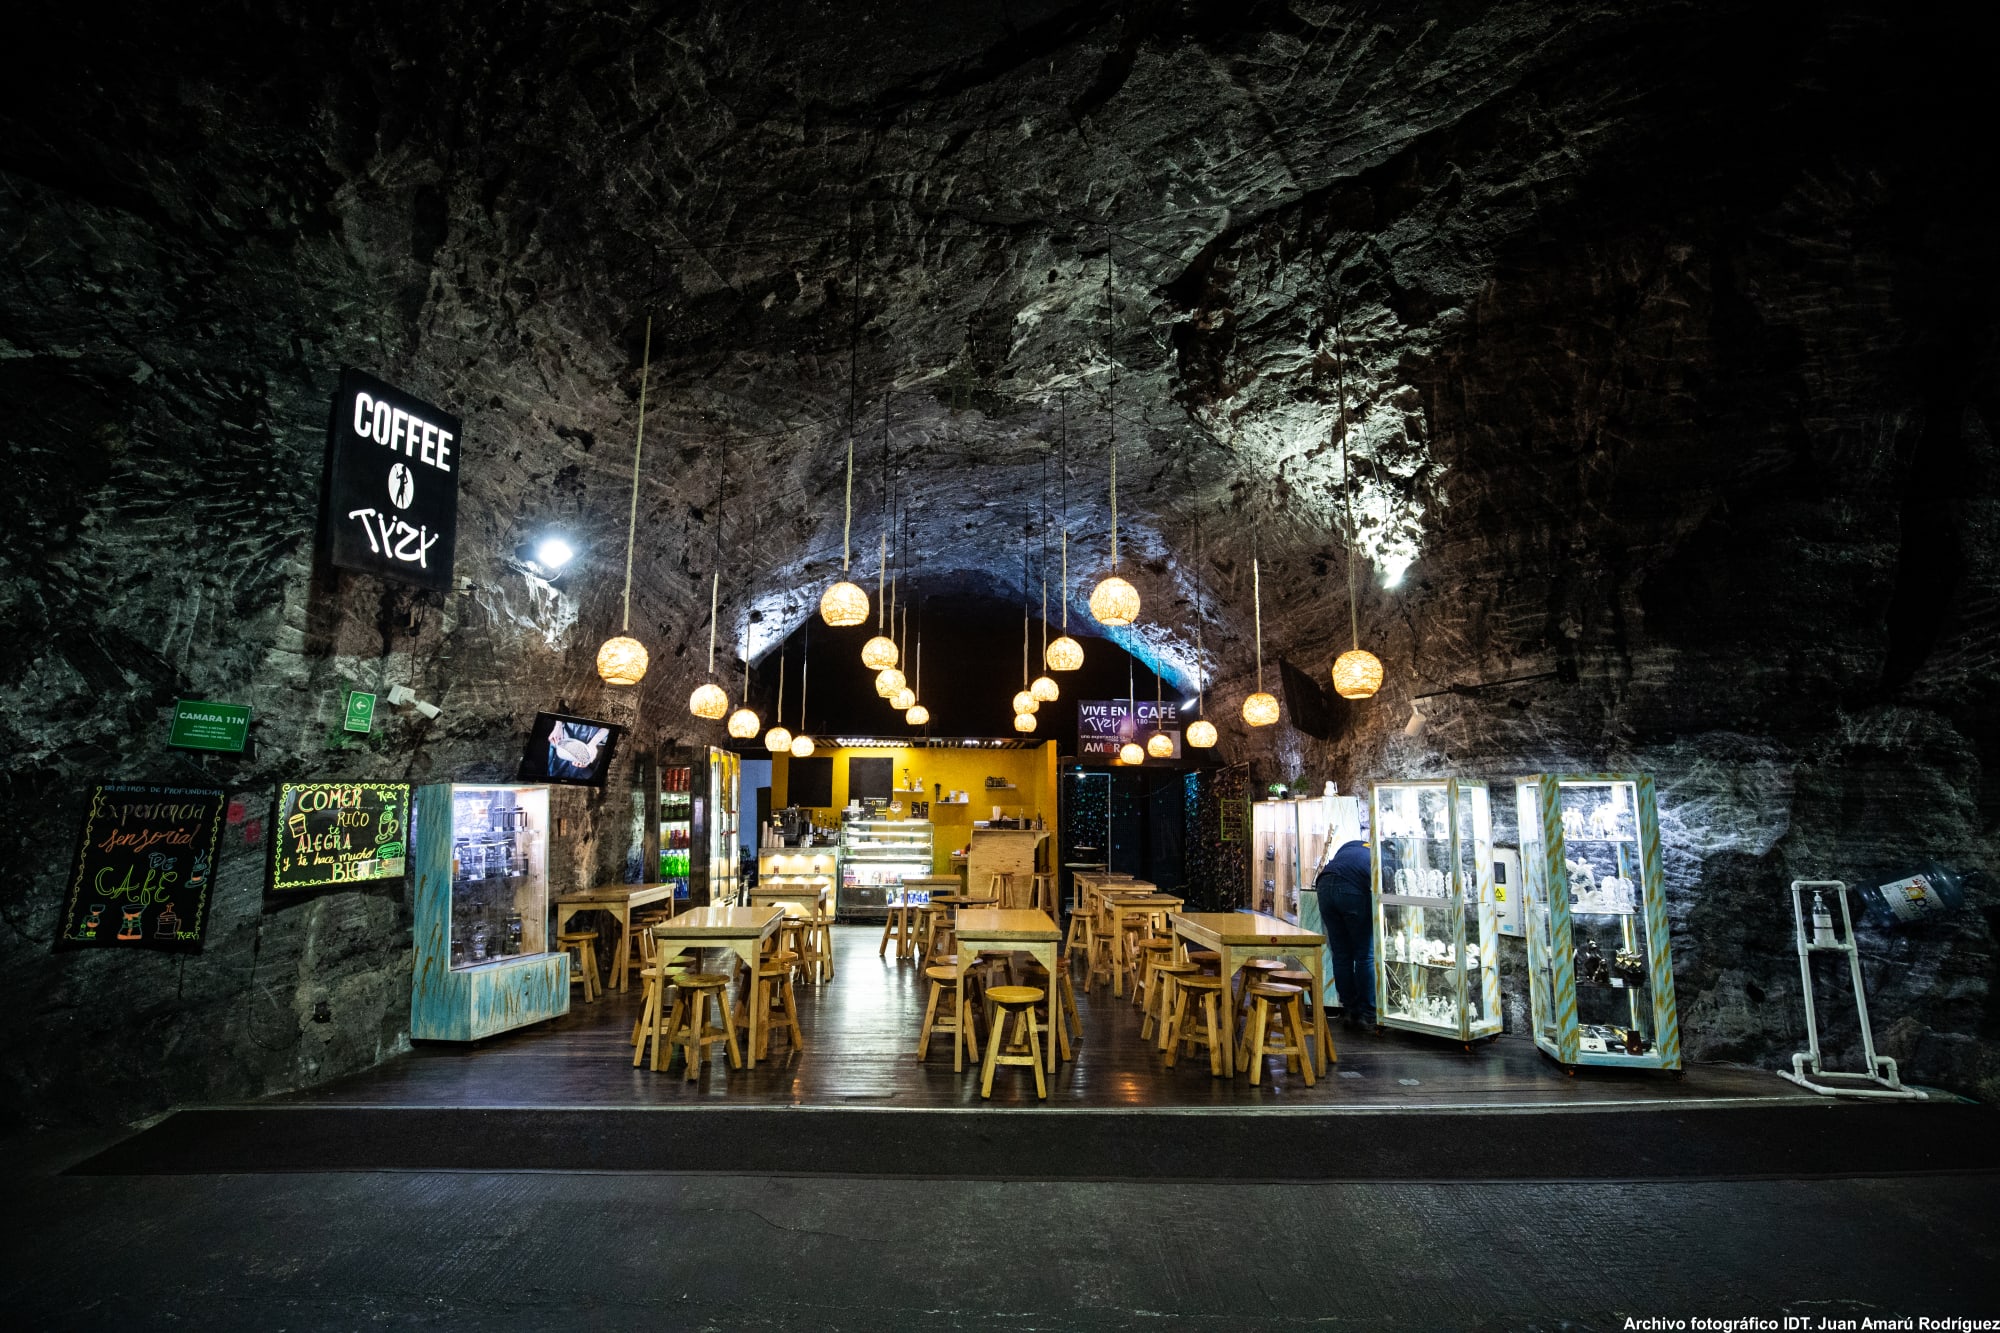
1879, 1079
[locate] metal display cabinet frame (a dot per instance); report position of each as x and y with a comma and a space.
467, 1003
1550, 845
1471, 925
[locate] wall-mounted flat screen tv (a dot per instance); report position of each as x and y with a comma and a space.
568, 749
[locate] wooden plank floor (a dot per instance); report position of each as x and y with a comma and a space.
860, 1037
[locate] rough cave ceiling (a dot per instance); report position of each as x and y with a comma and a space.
1048, 211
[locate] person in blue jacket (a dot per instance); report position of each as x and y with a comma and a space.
1347, 912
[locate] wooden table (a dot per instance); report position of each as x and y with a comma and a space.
1002, 930
1118, 906
818, 895
619, 900
741, 930
1240, 936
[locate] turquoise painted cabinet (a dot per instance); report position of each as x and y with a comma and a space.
1600, 969
483, 963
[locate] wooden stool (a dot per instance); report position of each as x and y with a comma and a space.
1182, 1026
647, 1029
943, 937
584, 943
774, 995
1265, 996
1148, 954
1159, 1010
1036, 974
688, 1028
1315, 1011
1254, 970
899, 927
1000, 884
958, 1021
1042, 892
1103, 958
1208, 960
815, 963
1018, 1002
1078, 939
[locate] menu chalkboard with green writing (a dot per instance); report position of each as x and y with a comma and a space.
331, 833
144, 867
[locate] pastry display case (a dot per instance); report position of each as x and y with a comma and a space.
876, 856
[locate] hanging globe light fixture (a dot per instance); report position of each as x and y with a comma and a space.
1045, 690
880, 651
744, 724
1113, 601
708, 700
1201, 734
1130, 753
1065, 654
1024, 721
778, 740
918, 716
843, 604
802, 744
888, 681
1159, 744
622, 659
1025, 702
1356, 674
802, 747
903, 700
1260, 709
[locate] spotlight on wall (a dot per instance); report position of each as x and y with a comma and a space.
553, 553
1415, 726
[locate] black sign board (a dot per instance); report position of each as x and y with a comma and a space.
144, 867
392, 483
332, 833
1104, 725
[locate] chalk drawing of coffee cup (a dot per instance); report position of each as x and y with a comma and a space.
129, 927
93, 921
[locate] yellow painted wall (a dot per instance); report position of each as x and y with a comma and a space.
1033, 773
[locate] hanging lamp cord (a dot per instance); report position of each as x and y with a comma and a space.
1257, 596
638, 444
1346, 482
1064, 482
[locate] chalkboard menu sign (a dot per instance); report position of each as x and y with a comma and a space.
392, 492
339, 833
144, 867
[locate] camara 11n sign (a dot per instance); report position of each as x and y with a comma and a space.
392, 490
1103, 725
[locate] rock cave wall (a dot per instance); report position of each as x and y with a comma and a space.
1664, 337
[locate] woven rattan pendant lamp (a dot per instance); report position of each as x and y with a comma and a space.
918, 715
1065, 654
1159, 744
744, 724
1260, 709
1201, 732
777, 740
1356, 674
906, 698
709, 700
843, 604
802, 744
1044, 687
1114, 602
1131, 752
622, 659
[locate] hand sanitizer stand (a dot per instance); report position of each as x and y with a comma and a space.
1879, 1078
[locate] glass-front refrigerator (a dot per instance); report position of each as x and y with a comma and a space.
1437, 969
1600, 970
482, 912
676, 828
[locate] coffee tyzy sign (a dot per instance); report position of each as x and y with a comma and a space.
392, 490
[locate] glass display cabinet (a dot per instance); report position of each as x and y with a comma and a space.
801, 874
1326, 824
482, 913
693, 842
1436, 965
1600, 972
1274, 858
876, 856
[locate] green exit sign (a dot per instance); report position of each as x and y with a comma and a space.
360, 712
201, 725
